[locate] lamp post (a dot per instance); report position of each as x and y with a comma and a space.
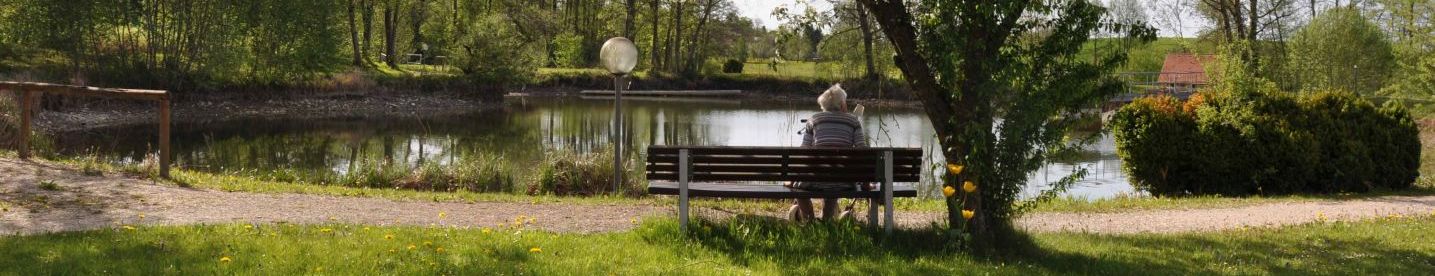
619, 56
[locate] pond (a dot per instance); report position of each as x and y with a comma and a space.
528, 127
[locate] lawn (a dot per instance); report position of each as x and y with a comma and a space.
737, 247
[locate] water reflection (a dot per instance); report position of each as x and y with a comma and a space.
529, 126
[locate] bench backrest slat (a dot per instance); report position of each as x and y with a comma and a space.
785, 164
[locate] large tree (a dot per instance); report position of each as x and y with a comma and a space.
974, 63
1341, 49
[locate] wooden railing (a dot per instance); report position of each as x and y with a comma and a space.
30, 92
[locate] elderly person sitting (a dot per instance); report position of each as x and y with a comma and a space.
833, 127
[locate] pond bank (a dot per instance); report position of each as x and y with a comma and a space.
297, 106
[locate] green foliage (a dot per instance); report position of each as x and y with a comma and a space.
1013, 61
496, 54
732, 66
1341, 49
570, 173
1244, 138
568, 51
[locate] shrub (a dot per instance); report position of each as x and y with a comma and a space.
1263, 142
496, 55
569, 173
732, 66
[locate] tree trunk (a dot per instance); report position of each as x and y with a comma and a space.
390, 30
354, 36
865, 25
676, 45
692, 61
368, 27
953, 110
653, 45
632, 15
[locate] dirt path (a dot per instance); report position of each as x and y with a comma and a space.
78, 202
30, 204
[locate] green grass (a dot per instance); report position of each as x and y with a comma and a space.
740, 246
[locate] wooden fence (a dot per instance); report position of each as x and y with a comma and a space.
30, 92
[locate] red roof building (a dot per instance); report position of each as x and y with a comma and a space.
1184, 70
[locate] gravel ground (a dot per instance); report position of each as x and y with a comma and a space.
30, 204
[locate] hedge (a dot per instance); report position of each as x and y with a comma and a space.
1265, 143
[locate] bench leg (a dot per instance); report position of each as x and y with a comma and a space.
887, 191
683, 189
872, 212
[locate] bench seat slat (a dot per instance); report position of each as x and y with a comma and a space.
735, 190
779, 168
780, 177
733, 159
728, 150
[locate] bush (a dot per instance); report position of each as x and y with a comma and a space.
1267, 143
496, 55
569, 173
732, 66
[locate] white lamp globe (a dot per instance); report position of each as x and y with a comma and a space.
619, 55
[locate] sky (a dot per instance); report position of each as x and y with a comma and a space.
761, 11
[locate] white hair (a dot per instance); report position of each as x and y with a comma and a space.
834, 99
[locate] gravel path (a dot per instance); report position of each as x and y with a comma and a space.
30, 204
79, 202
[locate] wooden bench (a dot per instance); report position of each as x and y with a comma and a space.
691, 171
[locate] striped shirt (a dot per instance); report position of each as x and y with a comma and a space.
832, 129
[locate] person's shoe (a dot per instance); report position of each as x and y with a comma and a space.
794, 213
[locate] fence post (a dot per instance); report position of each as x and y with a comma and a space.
164, 114
26, 97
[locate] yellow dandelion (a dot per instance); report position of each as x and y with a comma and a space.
326, 230
535, 250
141, 215
1320, 216
127, 227
389, 236
969, 186
225, 259
954, 169
428, 243
633, 220
392, 251
531, 220
366, 228
968, 214
439, 249
486, 230
441, 215
518, 220
500, 225
948, 191
248, 226
412, 246
319, 269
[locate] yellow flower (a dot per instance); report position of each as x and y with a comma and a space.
389, 236
969, 186
141, 215
248, 226
412, 246
968, 214
326, 230
954, 169
224, 259
428, 243
531, 220
635, 220
439, 250
441, 215
486, 230
518, 220
948, 191
127, 227
535, 250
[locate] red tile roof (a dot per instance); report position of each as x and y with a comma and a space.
1185, 69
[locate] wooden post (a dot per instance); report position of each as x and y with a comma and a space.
683, 189
887, 191
26, 97
164, 137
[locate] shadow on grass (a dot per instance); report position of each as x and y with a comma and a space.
846, 247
